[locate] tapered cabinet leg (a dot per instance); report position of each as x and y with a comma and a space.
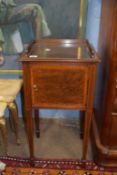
37, 122
87, 126
82, 119
29, 128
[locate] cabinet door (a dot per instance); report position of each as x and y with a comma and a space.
60, 86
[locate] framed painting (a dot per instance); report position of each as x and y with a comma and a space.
23, 21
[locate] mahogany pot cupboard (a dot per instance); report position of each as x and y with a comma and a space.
59, 74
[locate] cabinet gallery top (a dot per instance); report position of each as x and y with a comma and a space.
74, 50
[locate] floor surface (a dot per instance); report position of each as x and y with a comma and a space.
59, 139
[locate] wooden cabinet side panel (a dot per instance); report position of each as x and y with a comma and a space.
104, 78
105, 100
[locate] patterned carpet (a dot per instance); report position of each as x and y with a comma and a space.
21, 166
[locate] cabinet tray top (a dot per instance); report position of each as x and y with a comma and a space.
60, 50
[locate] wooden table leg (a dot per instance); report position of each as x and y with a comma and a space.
89, 109
87, 126
29, 127
37, 121
82, 119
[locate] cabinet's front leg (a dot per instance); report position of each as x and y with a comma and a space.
37, 121
29, 127
87, 126
89, 108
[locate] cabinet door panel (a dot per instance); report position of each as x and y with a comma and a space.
59, 86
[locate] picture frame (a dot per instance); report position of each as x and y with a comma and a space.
66, 19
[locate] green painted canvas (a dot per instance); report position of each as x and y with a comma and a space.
23, 21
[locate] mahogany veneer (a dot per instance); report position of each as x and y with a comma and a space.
59, 74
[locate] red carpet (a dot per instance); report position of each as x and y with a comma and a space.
21, 166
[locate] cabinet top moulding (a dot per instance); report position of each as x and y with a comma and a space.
65, 50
